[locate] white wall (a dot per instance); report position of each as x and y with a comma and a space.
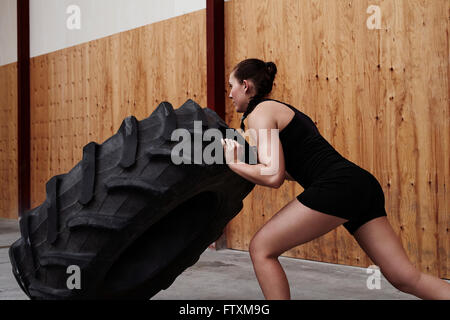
99, 18
8, 32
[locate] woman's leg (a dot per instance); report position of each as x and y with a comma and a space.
382, 245
293, 225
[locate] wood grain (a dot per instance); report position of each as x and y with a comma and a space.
83, 93
8, 142
380, 97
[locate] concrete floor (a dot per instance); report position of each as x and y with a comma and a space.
228, 275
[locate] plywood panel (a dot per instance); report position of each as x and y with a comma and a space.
8, 142
380, 97
83, 93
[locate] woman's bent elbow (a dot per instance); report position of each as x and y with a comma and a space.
276, 182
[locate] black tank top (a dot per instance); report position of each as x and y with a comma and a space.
307, 154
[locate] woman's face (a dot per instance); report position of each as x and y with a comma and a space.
239, 93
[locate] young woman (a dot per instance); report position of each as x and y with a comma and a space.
337, 191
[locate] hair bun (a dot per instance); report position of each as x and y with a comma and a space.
271, 69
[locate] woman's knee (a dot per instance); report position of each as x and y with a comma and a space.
254, 247
259, 248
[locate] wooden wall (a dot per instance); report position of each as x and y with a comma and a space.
8, 141
83, 93
380, 97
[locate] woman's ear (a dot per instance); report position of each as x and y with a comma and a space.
246, 85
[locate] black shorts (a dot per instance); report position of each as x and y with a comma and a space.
351, 193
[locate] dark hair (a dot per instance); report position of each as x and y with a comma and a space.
262, 75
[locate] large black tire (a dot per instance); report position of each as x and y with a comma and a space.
126, 215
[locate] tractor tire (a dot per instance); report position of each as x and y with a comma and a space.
126, 219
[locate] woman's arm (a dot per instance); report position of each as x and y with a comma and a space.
253, 174
270, 171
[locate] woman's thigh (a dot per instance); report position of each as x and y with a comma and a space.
293, 225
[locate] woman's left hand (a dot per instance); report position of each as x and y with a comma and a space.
233, 150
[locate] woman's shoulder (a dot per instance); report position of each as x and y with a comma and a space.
274, 104
267, 106
262, 109
271, 110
